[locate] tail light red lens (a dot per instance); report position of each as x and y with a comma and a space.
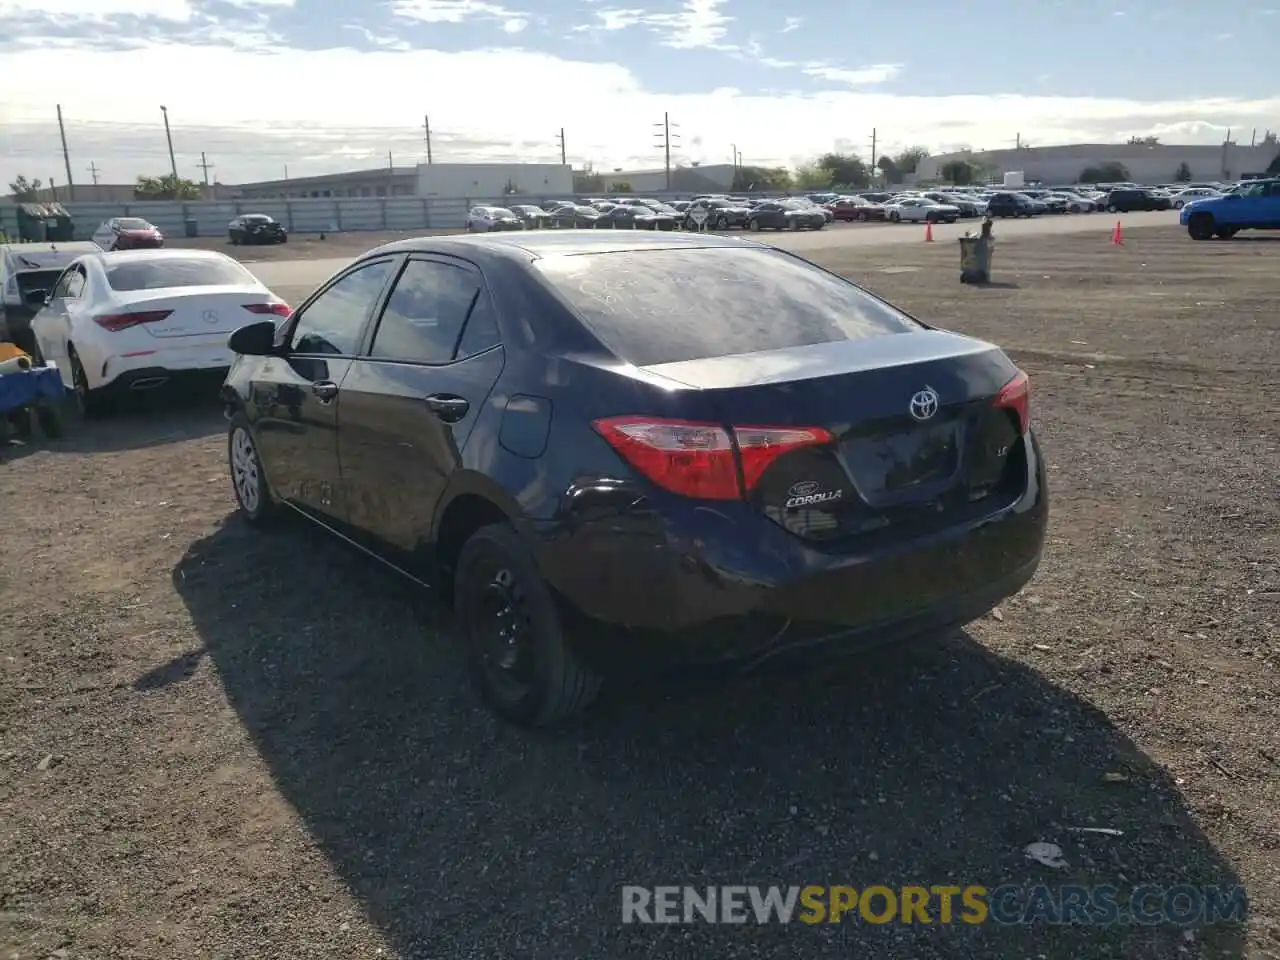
277, 309
703, 460
115, 322
1016, 396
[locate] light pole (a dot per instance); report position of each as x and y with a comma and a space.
173, 163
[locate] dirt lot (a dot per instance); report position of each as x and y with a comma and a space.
220, 743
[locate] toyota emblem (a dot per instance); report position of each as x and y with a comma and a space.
209, 316
924, 404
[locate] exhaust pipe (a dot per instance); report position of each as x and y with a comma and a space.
148, 383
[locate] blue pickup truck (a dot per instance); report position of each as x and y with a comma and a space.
1251, 206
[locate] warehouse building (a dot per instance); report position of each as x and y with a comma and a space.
378, 182
1157, 163
491, 181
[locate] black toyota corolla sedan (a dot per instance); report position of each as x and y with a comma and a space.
620, 449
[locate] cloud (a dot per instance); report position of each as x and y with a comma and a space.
313, 122
862, 77
791, 23
452, 11
91, 9
515, 25
698, 23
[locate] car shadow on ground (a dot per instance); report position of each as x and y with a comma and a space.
132, 424
932, 764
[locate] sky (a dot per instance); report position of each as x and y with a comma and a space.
319, 86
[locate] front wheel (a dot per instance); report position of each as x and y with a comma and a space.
518, 656
894, 217
248, 480
753, 225
1200, 226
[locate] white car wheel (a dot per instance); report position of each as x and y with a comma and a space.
244, 470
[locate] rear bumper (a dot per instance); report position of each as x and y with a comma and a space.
147, 379
161, 365
695, 582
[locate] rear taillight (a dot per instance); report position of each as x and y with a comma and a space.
1016, 396
274, 309
702, 459
115, 322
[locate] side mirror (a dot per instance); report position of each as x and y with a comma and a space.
48, 299
255, 340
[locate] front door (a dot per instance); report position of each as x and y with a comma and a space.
409, 404
295, 399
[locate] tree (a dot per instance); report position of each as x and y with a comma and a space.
1112, 171
810, 176
907, 160
620, 186
588, 183
166, 187
511, 190
890, 170
959, 172
844, 170
24, 190
761, 178
1183, 173
1144, 141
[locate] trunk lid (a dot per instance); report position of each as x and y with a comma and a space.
197, 311
887, 467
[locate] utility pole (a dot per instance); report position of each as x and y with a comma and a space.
665, 142
206, 166
168, 135
53, 192
93, 172
563, 161
873, 153
66, 157
391, 174
286, 171
426, 125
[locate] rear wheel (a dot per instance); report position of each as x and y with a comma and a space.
894, 216
248, 480
518, 657
1200, 226
91, 402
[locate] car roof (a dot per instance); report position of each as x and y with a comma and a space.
110, 257
559, 243
71, 246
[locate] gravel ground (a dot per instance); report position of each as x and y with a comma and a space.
210, 749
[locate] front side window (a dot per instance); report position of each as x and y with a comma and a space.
332, 322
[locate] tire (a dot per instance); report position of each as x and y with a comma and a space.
794, 224
248, 481
894, 217
1111, 208
49, 419
231, 238
92, 403
753, 225
1201, 226
518, 657
722, 223
1177, 204
1226, 233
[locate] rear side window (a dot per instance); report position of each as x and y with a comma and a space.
664, 306
163, 272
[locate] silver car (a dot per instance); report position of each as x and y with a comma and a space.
492, 219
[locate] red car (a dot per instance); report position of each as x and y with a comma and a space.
856, 208
128, 233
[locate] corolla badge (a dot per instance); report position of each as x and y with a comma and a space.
808, 493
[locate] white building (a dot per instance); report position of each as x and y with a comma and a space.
685, 178
1146, 164
493, 181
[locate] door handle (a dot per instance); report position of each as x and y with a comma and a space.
326, 390
447, 406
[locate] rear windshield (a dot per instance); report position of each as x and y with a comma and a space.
132, 223
664, 306
159, 274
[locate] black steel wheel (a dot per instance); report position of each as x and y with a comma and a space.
518, 657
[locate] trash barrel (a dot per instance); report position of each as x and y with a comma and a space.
191, 227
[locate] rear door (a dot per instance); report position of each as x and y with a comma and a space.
1270, 206
410, 402
52, 325
295, 398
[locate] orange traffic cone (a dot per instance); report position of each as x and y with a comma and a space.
928, 231
1117, 236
